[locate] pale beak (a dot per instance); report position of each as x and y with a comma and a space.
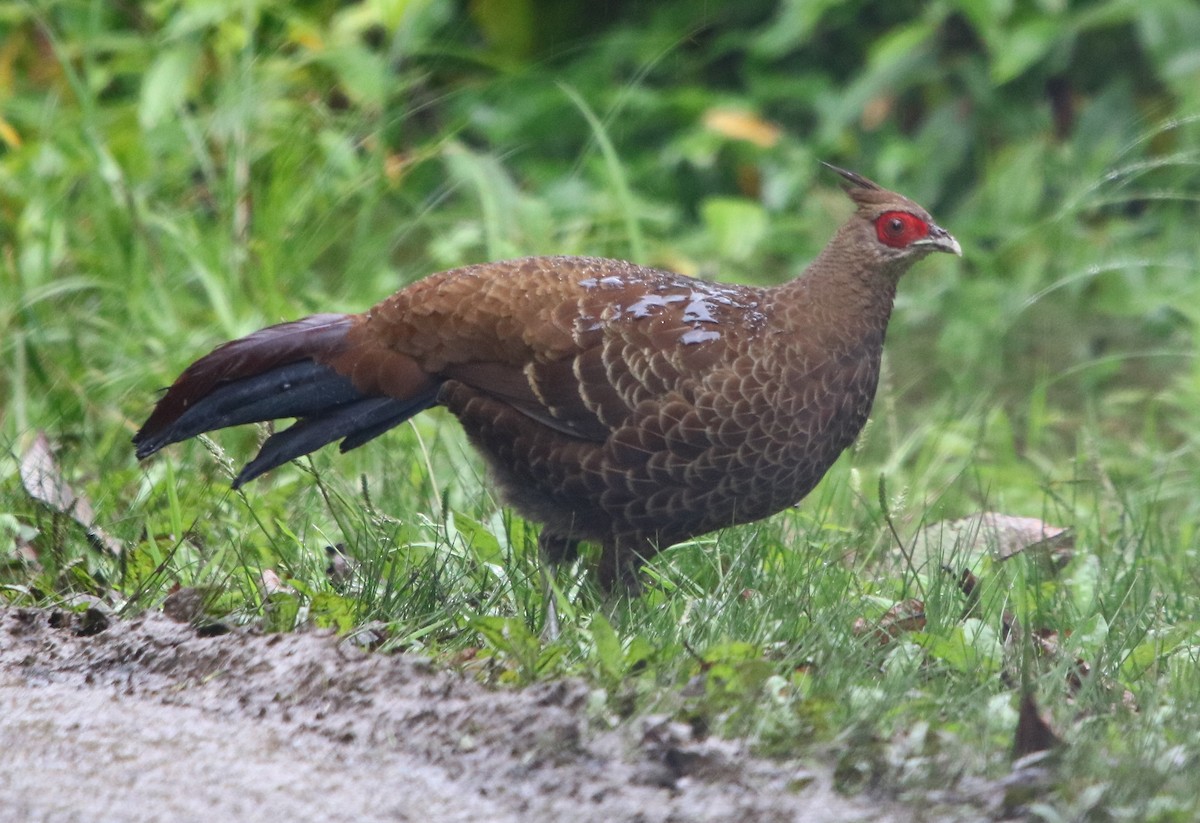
939, 240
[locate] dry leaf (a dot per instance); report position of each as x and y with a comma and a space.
395, 166
1046, 642
742, 125
877, 111
1001, 536
43, 481
1033, 730
9, 135
186, 604
271, 583
905, 616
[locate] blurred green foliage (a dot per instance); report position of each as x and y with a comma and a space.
174, 173
1011, 120
194, 170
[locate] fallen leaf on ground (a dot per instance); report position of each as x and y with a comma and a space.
905, 616
1033, 730
960, 544
43, 481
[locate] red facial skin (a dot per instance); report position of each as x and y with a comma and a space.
899, 228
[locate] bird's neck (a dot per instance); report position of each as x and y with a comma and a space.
841, 297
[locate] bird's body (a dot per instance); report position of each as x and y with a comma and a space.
613, 403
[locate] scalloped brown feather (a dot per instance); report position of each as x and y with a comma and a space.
614, 403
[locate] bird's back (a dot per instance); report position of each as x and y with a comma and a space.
615, 402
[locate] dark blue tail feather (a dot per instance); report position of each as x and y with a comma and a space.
327, 405
357, 422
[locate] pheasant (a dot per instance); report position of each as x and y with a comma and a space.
615, 404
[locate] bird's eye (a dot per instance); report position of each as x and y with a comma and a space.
900, 228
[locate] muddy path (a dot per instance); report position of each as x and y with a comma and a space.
146, 721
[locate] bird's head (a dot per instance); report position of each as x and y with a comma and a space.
890, 228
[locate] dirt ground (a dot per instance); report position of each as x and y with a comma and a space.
147, 721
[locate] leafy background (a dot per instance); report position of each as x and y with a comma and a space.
173, 174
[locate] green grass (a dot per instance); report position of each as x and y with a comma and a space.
1049, 374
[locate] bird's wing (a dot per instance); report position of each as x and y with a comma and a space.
574, 343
